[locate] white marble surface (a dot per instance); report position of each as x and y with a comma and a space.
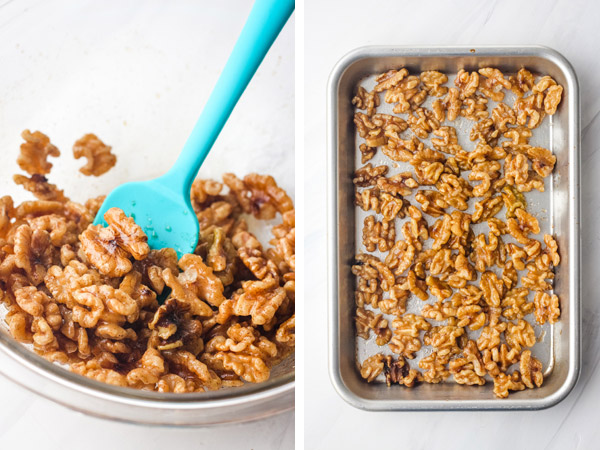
137, 74
336, 27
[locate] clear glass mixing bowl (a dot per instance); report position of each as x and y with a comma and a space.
137, 74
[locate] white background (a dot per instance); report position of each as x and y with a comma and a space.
336, 27
136, 73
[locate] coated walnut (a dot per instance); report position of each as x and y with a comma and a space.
39, 186
367, 320
35, 151
368, 101
531, 370
259, 195
520, 335
407, 329
435, 368
422, 122
504, 383
547, 307
474, 108
447, 141
492, 84
99, 157
378, 235
372, 367
530, 110
467, 83
522, 82
369, 175
449, 107
433, 82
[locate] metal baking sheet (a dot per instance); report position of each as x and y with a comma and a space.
557, 209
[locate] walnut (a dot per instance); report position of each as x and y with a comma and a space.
399, 184
493, 83
485, 153
259, 195
515, 302
520, 335
485, 131
536, 276
396, 303
522, 225
33, 252
438, 288
367, 320
513, 199
406, 94
99, 157
186, 292
444, 339
399, 372
467, 83
474, 108
552, 99
389, 79
486, 209
455, 189
504, 383
433, 203
379, 130
448, 142
415, 285
370, 267
190, 363
93, 370
34, 153
542, 160
109, 248
531, 370
530, 110
432, 81
415, 231
435, 368
369, 175
486, 172
38, 185
366, 100
547, 307
519, 137
502, 116
379, 235
152, 266
522, 82
372, 367
422, 122
449, 107
406, 334
490, 334
260, 300
286, 333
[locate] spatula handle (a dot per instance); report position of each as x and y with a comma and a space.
264, 23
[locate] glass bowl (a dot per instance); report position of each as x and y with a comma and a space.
137, 74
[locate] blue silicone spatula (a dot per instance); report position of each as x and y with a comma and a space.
162, 207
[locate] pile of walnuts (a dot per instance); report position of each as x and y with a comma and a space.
484, 284
101, 301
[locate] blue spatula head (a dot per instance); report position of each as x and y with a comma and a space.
168, 219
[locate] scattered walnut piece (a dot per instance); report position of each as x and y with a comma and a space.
99, 157
33, 158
